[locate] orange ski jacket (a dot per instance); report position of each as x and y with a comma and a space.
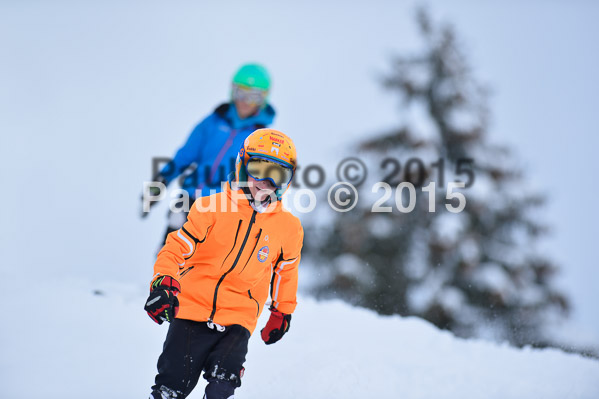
227, 255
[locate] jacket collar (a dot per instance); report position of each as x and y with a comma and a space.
263, 118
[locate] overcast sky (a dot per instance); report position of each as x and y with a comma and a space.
90, 91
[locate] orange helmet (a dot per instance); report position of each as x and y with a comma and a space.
271, 155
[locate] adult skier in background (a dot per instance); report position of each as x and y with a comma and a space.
213, 275
208, 155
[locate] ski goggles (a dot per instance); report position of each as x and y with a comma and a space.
266, 169
249, 95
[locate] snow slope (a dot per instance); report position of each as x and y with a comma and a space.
60, 340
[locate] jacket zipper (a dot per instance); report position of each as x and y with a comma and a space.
257, 304
247, 234
252, 253
184, 272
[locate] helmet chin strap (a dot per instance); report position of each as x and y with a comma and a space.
264, 204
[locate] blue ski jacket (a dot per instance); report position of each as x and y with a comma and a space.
212, 148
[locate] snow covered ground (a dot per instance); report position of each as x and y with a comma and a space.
62, 340
94, 90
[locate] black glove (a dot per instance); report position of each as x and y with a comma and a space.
162, 304
277, 325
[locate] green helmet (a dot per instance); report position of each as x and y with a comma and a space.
252, 75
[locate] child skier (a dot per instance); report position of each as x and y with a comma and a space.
213, 275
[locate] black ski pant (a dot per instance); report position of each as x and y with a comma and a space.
192, 347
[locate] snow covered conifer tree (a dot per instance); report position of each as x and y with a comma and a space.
476, 272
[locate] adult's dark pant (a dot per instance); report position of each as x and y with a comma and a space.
192, 347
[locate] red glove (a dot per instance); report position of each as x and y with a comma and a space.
278, 324
162, 304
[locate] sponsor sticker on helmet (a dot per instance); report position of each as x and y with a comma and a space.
263, 253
